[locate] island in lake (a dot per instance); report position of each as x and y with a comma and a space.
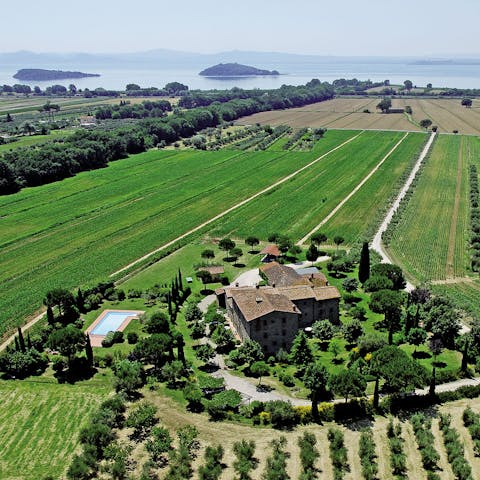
39, 74
234, 70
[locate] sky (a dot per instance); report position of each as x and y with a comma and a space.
346, 27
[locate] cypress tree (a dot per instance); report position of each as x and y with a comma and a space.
88, 350
80, 301
29, 342
180, 280
17, 346
364, 267
50, 316
21, 340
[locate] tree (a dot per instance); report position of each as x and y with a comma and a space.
226, 244
400, 372
64, 301
316, 380
408, 85
385, 104
128, 377
295, 251
142, 418
250, 352
245, 462
416, 337
318, 238
89, 350
259, 369
68, 341
467, 102
159, 444
323, 330
172, 372
348, 383
334, 348
388, 302
338, 240
157, 323
312, 253
352, 331
392, 272
192, 312
175, 88
252, 242
425, 123
9, 118
364, 266
378, 282
284, 243
301, 353
132, 86
443, 320
236, 253
205, 353
208, 254
436, 347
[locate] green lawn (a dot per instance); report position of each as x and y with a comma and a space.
39, 425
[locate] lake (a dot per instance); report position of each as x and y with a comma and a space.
117, 77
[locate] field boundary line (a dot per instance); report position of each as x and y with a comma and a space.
234, 207
377, 243
353, 192
450, 270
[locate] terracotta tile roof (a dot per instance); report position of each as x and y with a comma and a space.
213, 270
257, 302
317, 279
282, 276
297, 292
271, 250
326, 293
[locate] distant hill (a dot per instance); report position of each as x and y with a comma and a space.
234, 70
39, 74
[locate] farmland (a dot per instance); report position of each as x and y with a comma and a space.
447, 114
39, 425
300, 204
430, 241
82, 229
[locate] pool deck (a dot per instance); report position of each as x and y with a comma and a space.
96, 340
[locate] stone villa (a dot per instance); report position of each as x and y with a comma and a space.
272, 315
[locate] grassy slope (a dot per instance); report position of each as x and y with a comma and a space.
82, 229
39, 425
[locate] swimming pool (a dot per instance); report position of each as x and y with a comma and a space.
111, 321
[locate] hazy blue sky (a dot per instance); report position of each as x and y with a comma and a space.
346, 27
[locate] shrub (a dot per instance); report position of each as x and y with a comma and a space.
287, 379
245, 461
132, 338
118, 337
282, 414
338, 453
308, 455
108, 340
368, 455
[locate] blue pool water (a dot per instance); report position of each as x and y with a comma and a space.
110, 322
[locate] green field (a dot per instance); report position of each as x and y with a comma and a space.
464, 294
82, 229
430, 242
297, 206
39, 425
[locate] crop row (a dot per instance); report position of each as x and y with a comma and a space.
419, 235
296, 206
358, 218
422, 427
474, 218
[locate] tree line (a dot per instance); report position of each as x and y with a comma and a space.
88, 150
